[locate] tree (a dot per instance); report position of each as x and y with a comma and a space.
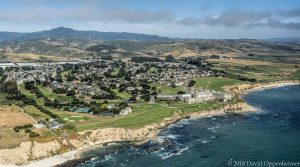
146, 97
58, 78
191, 83
9, 87
59, 91
145, 86
33, 134
71, 92
180, 92
132, 99
170, 58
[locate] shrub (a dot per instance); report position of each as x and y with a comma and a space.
191, 83
16, 129
59, 91
27, 130
69, 126
180, 92
33, 134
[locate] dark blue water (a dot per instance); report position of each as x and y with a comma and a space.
272, 135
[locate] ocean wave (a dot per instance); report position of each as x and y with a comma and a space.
174, 153
203, 141
108, 158
180, 124
213, 129
162, 138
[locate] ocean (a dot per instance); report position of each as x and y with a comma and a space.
268, 137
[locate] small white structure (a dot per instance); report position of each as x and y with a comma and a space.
125, 111
39, 126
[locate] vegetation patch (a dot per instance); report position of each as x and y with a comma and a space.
214, 83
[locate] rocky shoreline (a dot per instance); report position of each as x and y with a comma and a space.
46, 154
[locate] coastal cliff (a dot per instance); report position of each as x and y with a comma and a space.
33, 150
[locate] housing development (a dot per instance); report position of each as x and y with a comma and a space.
149, 83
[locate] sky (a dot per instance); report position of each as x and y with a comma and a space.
172, 18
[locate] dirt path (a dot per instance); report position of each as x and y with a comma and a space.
28, 116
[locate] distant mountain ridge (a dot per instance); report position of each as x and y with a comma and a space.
62, 32
285, 40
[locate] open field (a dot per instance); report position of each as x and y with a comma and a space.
214, 83
11, 116
10, 139
261, 71
253, 62
23, 57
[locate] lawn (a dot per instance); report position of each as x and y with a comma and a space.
47, 92
167, 89
123, 95
143, 114
214, 83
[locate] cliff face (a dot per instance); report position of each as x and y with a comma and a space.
29, 150
34, 150
241, 107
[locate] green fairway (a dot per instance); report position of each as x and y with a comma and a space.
143, 114
28, 94
215, 83
167, 89
122, 95
52, 96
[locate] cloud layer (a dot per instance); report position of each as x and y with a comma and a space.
110, 14
248, 19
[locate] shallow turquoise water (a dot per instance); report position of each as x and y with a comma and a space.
272, 135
